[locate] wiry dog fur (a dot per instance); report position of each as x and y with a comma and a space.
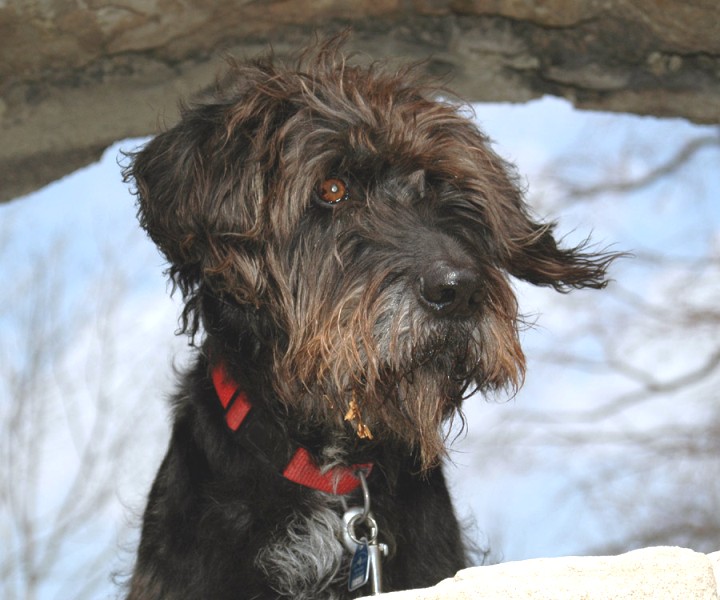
357, 327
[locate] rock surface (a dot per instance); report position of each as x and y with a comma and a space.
648, 574
76, 76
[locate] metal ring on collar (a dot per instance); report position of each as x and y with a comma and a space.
360, 518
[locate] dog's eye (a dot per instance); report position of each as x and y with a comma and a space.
333, 191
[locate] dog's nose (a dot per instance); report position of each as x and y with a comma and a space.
451, 290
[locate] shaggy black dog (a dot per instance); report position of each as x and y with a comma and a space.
343, 242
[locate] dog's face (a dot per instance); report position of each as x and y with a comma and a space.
361, 233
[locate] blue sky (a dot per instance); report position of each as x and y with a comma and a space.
83, 228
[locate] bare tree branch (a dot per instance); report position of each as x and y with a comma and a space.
575, 191
63, 431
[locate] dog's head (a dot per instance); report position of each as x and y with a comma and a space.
352, 236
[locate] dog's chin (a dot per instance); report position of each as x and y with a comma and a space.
411, 404
438, 381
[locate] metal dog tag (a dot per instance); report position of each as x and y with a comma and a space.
359, 566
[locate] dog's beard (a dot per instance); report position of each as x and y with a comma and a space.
390, 370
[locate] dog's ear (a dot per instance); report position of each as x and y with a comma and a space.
525, 247
536, 256
196, 200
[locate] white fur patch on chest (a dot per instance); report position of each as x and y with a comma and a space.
306, 559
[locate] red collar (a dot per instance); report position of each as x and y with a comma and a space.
301, 469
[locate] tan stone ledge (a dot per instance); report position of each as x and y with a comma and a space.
662, 573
